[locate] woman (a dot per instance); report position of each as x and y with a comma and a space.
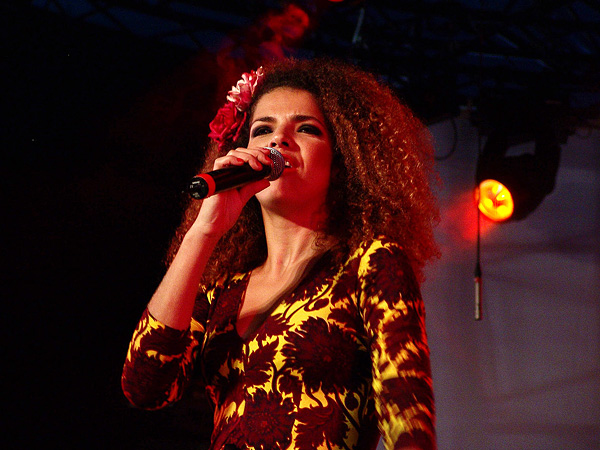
308, 326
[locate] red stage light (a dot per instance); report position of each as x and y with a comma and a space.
512, 186
495, 200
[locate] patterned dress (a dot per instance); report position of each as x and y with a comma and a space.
340, 359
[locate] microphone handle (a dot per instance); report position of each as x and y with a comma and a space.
478, 297
205, 185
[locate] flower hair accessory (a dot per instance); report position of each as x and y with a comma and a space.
229, 119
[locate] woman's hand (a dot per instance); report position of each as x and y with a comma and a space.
220, 212
173, 301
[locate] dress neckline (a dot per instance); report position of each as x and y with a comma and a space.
259, 320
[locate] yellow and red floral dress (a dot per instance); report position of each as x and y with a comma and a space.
340, 359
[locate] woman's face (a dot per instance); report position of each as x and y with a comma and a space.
291, 121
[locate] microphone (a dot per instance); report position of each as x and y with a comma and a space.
207, 184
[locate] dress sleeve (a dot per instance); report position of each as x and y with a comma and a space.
394, 317
159, 362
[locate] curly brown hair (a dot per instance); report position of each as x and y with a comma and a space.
382, 167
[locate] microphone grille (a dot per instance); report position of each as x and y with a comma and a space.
278, 164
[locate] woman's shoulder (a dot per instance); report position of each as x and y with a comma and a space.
379, 246
380, 253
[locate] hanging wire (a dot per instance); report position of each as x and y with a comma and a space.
477, 274
478, 277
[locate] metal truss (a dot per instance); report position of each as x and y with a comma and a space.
453, 51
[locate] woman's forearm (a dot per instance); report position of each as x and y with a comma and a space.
173, 301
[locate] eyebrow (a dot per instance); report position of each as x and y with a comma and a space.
296, 118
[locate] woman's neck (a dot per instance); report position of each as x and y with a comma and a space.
292, 245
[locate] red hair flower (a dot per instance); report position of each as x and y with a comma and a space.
229, 119
226, 124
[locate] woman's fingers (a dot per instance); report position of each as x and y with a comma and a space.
219, 212
255, 157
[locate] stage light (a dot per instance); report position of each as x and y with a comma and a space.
511, 187
495, 200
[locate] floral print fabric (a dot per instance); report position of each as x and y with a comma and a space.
340, 359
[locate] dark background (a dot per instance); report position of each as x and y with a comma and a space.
97, 147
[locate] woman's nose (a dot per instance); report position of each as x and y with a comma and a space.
279, 142
280, 139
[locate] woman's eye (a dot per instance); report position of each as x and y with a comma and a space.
259, 131
310, 129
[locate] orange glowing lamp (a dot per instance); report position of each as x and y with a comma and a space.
495, 200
